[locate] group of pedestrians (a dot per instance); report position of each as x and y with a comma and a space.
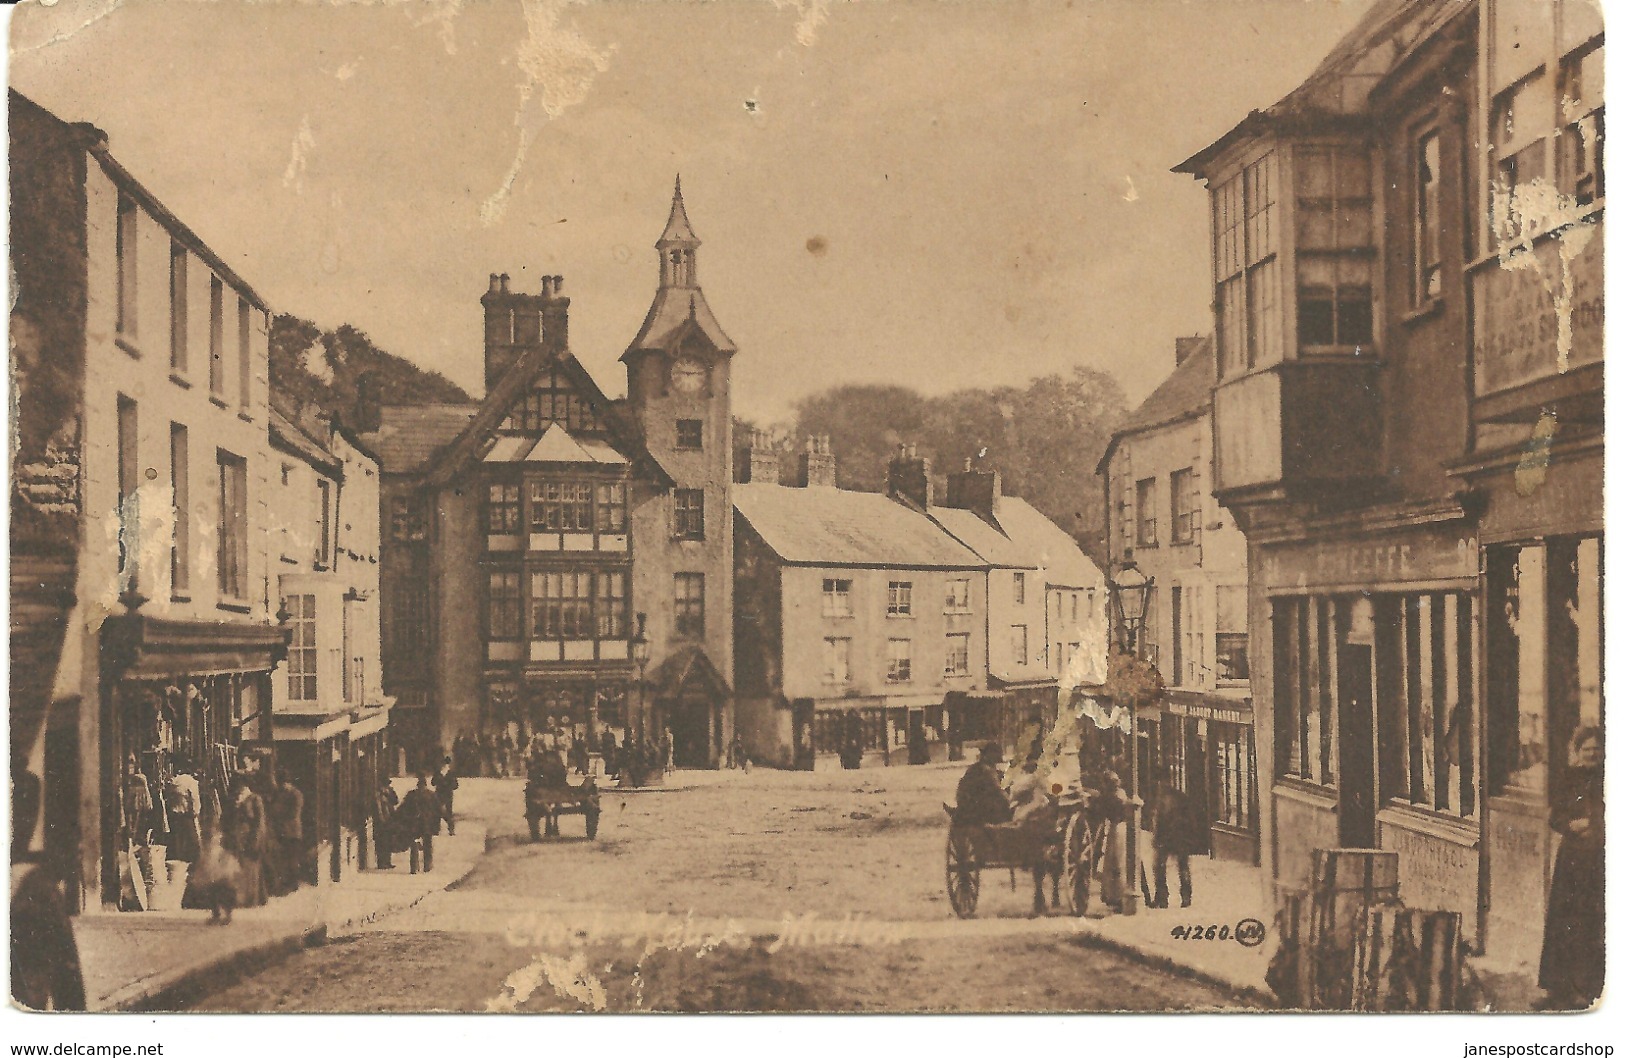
411, 824
256, 849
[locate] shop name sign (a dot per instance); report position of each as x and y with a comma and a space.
1538, 311
1342, 561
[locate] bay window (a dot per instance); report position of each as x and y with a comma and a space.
1245, 247
1335, 252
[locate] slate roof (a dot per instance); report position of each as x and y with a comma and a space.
675, 310
1188, 391
822, 526
678, 229
285, 433
1051, 547
409, 435
556, 445
994, 547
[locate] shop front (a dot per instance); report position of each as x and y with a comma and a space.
1372, 701
1543, 557
178, 697
1207, 752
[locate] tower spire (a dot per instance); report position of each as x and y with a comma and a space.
677, 244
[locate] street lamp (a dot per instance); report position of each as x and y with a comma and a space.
1130, 592
640, 654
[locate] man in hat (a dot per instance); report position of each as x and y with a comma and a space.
980, 799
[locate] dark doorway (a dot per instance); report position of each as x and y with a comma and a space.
1196, 778
1356, 763
690, 718
801, 719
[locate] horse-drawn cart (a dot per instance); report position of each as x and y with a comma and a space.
1069, 854
545, 801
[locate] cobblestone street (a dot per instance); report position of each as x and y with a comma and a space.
723, 891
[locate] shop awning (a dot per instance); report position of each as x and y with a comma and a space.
135, 646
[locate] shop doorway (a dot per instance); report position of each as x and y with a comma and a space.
1356, 761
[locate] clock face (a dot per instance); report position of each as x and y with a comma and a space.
687, 375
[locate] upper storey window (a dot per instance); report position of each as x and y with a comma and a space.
1246, 241
552, 400
1334, 248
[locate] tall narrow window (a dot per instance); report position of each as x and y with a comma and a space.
502, 510
837, 597
302, 653
899, 660
956, 596
1145, 513
900, 598
612, 622
217, 338
129, 477
324, 523
1580, 102
957, 662
232, 552
1429, 270
1230, 634
245, 355
1245, 245
1176, 602
1020, 588
688, 591
502, 605
689, 514
1182, 494
612, 508
180, 543
1018, 644
126, 253
1520, 124
561, 605
837, 660
1334, 249
177, 308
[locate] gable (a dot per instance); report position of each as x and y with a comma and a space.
553, 398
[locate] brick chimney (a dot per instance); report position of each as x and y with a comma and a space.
761, 464
908, 477
817, 463
975, 490
516, 322
1184, 347
369, 412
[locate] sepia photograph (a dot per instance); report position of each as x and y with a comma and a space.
806, 506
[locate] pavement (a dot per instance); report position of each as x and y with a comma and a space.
162, 960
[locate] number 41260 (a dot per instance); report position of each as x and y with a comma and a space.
1199, 932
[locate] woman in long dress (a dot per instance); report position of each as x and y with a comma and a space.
1572, 960
247, 837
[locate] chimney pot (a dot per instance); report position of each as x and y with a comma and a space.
547, 286
503, 278
493, 282
558, 286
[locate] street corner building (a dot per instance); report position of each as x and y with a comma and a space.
158, 527
1163, 518
1408, 428
535, 539
886, 629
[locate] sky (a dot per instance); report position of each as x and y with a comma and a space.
935, 194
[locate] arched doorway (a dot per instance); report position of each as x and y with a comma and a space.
692, 699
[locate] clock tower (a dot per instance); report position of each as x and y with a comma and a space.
679, 392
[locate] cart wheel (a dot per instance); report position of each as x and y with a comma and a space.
1077, 859
592, 825
535, 828
964, 874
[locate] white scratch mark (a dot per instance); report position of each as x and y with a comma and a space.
314, 360
348, 70
814, 13
570, 979
1133, 193
304, 141
66, 34
1523, 214
442, 13
559, 67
